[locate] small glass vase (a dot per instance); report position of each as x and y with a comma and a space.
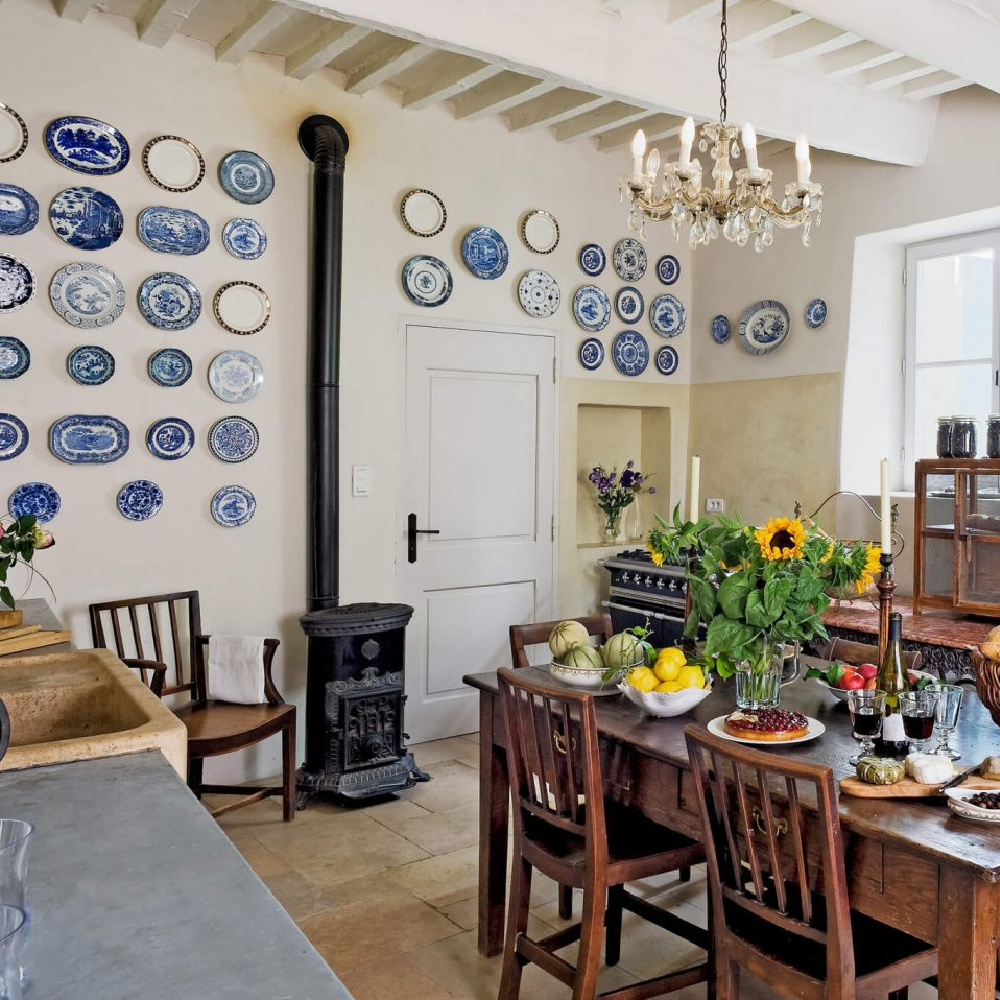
613, 527
758, 681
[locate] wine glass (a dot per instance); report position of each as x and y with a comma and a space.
866, 708
946, 710
917, 709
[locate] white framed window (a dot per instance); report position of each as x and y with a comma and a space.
952, 363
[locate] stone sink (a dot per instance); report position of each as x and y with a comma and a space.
82, 704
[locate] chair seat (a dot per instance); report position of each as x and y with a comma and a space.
217, 726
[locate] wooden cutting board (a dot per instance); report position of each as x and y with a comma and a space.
8, 619
34, 640
908, 788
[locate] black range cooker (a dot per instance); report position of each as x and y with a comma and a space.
642, 591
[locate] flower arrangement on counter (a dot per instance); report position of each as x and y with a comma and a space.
20, 538
615, 494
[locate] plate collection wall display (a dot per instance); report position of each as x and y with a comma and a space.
666, 315
173, 230
169, 301
591, 308
668, 269
87, 145
88, 440
17, 283
233, 506
485, 253
538, 293
426, 280
19, 143
18, 210
170, 438
629, 258
36, 499
173, 163
630, 352
169, 367
13, 436
85, 218
540, 231
246, 176
236, 376
245, 239
816, 314
87, 295
140, 499
90, 364
763, 327
591, 354
629, 304
721, 329
423, 213
592, 259
233, 439
666, 360
242, 307
15, 358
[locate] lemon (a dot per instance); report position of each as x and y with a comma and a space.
691, 677
666, 670
671, 654
668, 687
642, 678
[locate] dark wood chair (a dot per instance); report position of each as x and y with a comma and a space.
848, 651
565, 829
766, 914
177, 667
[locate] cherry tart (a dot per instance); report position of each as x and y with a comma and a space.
766, 724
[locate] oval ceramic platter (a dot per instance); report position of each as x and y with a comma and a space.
426, 280
90, 365
87, 145
13, 134
233, 439
591, 354
485, 253
666, 360
15, 358
140, 500
245, 239
816, 314
87, 295
170, 438
86, 218
591, 308
173, 230
763, 327
668, 269
236, 376
538, 293
17, 283
666, 315
18, 210
629, 304
13, 436
88, 440
630, 352
815, 728
721, 329
35, 499
170, 367
233, 506
246, 176
592, 259
169, 301
629, 258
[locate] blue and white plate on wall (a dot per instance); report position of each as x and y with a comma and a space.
88, 440
236, 376
591, 354
18, 210
17, 283
538, 293
245, 239
721, 329
170, 367
87, 145
591, 308
86, 218
666, 360
140, 500
35, 499
173, 230
170, 438
246, 176
816, 314
233, 439
426, 280
13, 436
592, 259
169, 301
668, 269
629, 259
87, 295
233, 506
485, 253
666, 315
15, 357
763, 327
90, 365
629, 304
630, 352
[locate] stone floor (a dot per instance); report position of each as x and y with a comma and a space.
387, 893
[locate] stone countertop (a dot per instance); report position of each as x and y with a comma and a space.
134, 891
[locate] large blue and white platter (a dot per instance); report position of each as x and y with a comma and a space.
170, 438
721, 329
36, 500
591, 308
18, 210
88, 440
13, 436
666, 315
236, 376
485, 253
173, 230
666, 360
17, 283
170, 367
592, 259
86, 218
763, 327
169, 301
245, 239
591, 354
246, 176
538, 293
87, 145
668, 269
140, 500
426, 280
233, 439
816, 314
15, 358
90, 365
233, 506
87, 295
629, 304
630, 352
629, 258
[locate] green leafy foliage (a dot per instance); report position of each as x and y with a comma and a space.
20, 537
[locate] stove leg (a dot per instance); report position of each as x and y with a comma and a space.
415, 772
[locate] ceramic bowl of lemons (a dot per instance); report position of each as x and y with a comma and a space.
671, 686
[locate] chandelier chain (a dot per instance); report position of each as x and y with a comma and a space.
723, 52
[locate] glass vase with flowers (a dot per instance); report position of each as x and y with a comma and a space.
20, 538
616, 493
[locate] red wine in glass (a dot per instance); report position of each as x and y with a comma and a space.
866, 723
918, 727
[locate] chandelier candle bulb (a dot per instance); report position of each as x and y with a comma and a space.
638, 150
750, 145
687, 140
885, 511
802, 160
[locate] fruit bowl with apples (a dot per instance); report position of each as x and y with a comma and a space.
840, 678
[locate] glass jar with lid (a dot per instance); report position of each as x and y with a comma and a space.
944, 437
963, 437
993, 436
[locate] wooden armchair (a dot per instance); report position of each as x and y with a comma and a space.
177, 668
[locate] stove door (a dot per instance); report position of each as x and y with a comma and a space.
667, 628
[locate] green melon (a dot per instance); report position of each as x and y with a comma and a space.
565, 636
583, 656
621, 651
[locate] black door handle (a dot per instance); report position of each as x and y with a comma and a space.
411, 536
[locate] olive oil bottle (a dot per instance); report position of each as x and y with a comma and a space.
893, 680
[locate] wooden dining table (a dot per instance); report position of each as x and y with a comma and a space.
910, 863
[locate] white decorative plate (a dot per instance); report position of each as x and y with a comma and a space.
540, 231
957, 803
426, 280
816, 728
423, 212
666, 315
538, 293
87, 295
235, 376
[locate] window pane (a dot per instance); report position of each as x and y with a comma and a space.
954, 307
940, 392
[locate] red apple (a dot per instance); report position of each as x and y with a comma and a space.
849, 674
853, 682
868, 671
913, 677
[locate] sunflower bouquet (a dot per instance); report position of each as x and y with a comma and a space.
756, 588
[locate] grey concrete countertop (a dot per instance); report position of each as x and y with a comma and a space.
134, 893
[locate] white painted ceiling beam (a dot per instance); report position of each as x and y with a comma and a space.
445, 84
856, 59
552, 109
755, 23
160, 20
329, 43
395, 56
495, 97
932, 86
682, 14
657, 128
810, 41
600, 120
72, 10
896, 73
244, 38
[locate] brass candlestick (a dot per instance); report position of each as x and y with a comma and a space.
886, 585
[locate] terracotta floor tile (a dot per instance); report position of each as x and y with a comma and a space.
396, 980
465, 913
441, 880
300, 896
452, 785
441, 832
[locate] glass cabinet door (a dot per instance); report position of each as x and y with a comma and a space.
977, 539
938, 566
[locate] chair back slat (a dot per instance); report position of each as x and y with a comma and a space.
798, 845
154, 628
523, 637
771, 832
747, 833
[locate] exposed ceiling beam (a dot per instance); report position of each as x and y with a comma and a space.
856, 59
446, 83
160, 20
559, 106
683, 13
932, 86
494, 97
753, 24
245, 37
329, 43
898, 72
810, 41
657, 128
72, 10
395, 56
599, 120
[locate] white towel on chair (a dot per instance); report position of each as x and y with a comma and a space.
236, 669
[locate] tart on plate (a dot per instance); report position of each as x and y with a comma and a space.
773, 725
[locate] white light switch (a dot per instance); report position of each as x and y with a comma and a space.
361, 481
715, 505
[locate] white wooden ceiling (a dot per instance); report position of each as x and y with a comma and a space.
859, 76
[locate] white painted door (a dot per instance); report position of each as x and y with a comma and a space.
480, 471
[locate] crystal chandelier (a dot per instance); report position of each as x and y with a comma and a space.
673, 190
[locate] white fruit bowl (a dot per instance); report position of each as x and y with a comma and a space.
666, 704
588, 678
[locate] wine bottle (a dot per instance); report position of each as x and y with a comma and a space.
892, 679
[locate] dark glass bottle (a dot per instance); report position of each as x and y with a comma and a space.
892, 679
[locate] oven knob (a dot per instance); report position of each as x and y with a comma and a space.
660, 584
648, 581
673, 585
625, 577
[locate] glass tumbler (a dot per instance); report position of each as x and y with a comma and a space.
946, 712
13, 933
867, 708
917, 709
14, 837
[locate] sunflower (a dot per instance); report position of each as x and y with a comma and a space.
829, 552
656, 556
872, 567
781, 539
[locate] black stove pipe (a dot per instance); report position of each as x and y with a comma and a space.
325, 141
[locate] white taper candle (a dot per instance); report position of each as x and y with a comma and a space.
693, 486
885, 508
